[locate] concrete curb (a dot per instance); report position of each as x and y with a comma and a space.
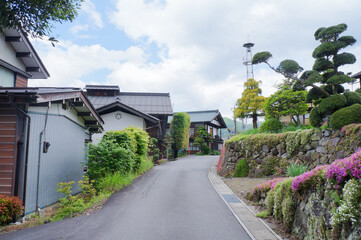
256, 228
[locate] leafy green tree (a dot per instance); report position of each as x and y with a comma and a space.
286, 102
251, 103
202, 140
179, 130
36, 17
325, 70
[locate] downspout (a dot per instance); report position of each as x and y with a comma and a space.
27, 146
39, 161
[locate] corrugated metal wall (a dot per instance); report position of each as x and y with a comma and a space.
62, 162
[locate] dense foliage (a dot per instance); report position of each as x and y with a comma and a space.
286, 102
179, 130
118, 151
251, 103
36, 17
10, 208
271, 125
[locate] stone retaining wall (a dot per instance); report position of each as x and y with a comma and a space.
270, 154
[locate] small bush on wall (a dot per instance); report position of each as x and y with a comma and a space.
271, 125
241, 169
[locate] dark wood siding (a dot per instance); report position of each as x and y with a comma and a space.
7, 148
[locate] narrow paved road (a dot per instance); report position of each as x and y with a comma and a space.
172, 201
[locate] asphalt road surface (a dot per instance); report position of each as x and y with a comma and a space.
172, 201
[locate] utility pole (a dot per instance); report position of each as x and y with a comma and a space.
234, 119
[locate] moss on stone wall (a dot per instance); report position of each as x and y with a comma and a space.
311, 147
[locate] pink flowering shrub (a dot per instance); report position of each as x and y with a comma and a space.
266, 186
308, 178
342, 170
260, 190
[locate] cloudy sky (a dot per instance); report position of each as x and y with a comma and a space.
190, 48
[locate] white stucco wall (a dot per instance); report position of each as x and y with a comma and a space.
8, 54
111, 123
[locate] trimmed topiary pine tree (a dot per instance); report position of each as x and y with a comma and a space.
325, 77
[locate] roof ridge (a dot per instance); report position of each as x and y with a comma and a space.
144, 94
204, 111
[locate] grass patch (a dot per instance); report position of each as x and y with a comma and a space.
87, 201
263, 214
295, 170
114, 182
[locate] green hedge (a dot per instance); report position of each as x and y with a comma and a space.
118, 151
345, 116
271, 125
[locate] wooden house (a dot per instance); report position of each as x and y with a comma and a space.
213, 121
119, 110
43, 131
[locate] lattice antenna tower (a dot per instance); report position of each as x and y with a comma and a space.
247, 61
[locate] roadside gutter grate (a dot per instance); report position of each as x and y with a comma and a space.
231, 198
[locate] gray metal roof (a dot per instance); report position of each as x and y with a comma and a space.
74, 96
150, 103
39, 90
102, 87
204, 116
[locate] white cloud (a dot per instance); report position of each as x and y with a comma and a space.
200, 46
79, 28
89, 8
68, 63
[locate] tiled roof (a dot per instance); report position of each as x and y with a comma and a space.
150, 103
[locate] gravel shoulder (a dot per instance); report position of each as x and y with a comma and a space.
242, 186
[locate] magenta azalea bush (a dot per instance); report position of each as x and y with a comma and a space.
308, 178
266, 186
342, 170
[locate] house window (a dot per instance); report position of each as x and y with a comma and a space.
7, 78
191, 131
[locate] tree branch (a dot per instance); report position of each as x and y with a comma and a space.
298, 80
